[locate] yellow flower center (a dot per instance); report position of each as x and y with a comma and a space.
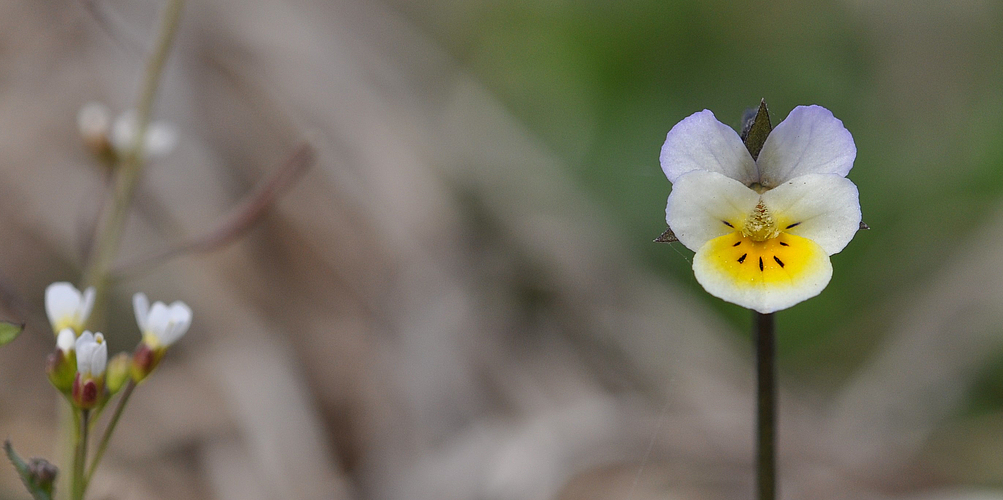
762, 252
760, 225
784, 260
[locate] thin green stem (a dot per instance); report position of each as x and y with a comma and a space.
109, 233
66, 446
766, 407
81, 421
122, 400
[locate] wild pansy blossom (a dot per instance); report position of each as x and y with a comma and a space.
67, 307
762, 229
161, 326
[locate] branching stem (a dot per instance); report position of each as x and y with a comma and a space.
103, 445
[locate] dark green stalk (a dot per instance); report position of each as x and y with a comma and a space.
766, 407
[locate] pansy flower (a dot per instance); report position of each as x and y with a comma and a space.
762, 229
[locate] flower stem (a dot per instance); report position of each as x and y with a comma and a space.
766, 407
109, 233
108, 431
81, 421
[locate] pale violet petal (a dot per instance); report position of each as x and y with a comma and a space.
700, 142
810, 141
61, 303
702, 204
757, 280
141, 306
824, 207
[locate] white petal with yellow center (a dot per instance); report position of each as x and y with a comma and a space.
765, 276
66, 307
700, 142
809, 141
704, 205
821, 207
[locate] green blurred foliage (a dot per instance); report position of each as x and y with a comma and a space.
602, 82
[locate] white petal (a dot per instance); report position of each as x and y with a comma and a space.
123, 132
180, 320
141, 306
161, 138
85, 349
158, 320
86, 305
66, 341
99, 356
61, 302
702, 204
764, 276
809, 141
825, 208
84, 339
700, 142
94, 120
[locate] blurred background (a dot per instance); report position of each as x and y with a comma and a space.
461, 299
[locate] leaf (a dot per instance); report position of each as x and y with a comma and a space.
38, 475
9, 331
755, 130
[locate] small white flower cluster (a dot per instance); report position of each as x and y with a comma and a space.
104, 137
77, 367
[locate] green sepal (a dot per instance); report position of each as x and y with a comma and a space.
755, 129
667, 237
38, 475
9, 331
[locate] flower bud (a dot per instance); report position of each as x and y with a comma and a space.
86, 392
118, 372
94, 125
61, 365
92, 358
144, 360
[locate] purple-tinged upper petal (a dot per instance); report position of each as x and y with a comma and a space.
809, 141
700, 142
